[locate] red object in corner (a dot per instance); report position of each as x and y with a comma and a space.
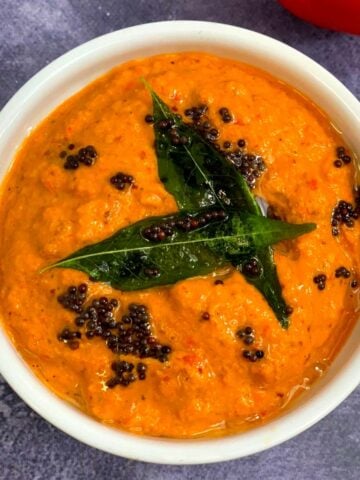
341, 15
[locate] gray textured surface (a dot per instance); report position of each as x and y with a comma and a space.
34, 32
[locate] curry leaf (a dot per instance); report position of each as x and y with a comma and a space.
198, 175
195, 173
125, 259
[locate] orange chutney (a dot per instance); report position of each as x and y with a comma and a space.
206, 387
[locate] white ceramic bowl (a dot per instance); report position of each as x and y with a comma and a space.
74, 70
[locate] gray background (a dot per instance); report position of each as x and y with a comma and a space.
32, 34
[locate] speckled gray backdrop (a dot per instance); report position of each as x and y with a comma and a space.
34, 32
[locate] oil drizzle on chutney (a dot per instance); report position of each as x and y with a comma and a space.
225, 396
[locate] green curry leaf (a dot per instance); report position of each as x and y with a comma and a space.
125, 259
198, 175
199, 178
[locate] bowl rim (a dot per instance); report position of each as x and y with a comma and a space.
159, 450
